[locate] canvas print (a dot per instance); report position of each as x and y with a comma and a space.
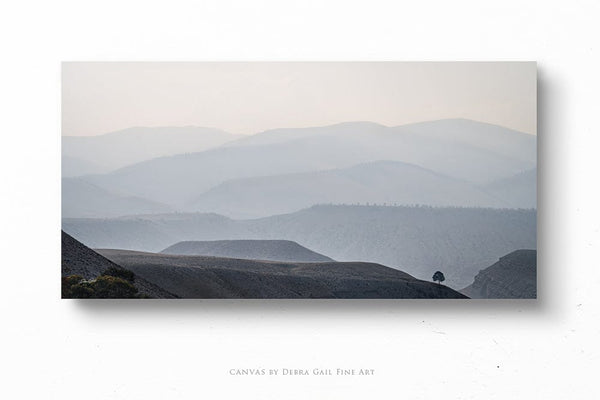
299, 180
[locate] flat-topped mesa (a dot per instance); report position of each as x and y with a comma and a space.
268, 250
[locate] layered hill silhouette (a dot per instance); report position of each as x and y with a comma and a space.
73, 166
212, 277
455, 132
381, 182
149, 189
418, 240
77, 259
518, 191
461, 149
128, 146
513, 276
81, 198
268, 250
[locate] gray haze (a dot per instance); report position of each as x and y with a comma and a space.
93, 154
81, 198
381, 182
442, 163
252, 97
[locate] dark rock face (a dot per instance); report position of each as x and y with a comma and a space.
213, 277
514, 276
77, 259
268, 250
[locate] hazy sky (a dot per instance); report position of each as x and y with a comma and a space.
247, 98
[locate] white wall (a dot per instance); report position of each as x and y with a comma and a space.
183, 350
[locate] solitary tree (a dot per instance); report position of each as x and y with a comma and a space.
439, 277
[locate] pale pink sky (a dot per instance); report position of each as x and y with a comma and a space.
248, 97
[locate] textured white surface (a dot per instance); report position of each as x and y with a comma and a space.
183, 350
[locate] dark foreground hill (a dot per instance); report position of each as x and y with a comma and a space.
268, 250
212, 277
78, 259
418, 240
512, 277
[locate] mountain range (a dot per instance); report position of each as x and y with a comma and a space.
451, 195
459, 163
379, 182
104, 153
520, 190
80, 198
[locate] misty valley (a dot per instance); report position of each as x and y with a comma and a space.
349, 211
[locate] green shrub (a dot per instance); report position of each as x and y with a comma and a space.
103, 287
120, 273
67, 282
82, 291
111, 287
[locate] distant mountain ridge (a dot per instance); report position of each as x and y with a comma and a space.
465, 150
132, 145
389, 182
81, 198
520, 190
267, 250
280, 135
73, 166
